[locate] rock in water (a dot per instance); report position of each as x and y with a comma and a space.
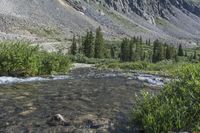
58, 119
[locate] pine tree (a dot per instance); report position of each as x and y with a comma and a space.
180, 50
85, 44
149, 42
90, 53
140, 40
112, 52
74, 46
125, 51
131, 53
159, 52
99, 44
168, 53
138, 51
155, 51
195, 55
186, 54
79, 44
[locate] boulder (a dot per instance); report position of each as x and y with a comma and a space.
58, 119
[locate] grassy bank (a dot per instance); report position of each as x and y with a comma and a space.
167, 68
22, 59
176, 108
80, 58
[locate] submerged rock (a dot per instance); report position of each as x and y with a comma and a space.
94, 122
56, 120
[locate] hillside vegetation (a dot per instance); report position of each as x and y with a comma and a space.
22, 59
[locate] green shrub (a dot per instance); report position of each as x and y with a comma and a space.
176, 108
21, 59
54, 63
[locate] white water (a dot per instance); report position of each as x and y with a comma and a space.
10, 80
152, 79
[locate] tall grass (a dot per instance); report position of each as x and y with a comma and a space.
167, 68
176, 108
22, 59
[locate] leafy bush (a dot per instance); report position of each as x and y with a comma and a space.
176, 108
21, 59
54, 63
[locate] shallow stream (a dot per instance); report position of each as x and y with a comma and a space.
90, 100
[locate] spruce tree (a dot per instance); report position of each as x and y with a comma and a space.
90, 47
131, 53
155, 57
74, 46
138, 51
112, 52
85, 44
195, 55
99, 44
186, 54
125, 51
161, 53
180, 50
168, 53
149, 42
140, 40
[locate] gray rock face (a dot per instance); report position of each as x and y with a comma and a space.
169, 20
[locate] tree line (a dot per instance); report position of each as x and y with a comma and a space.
92, 46
135, 49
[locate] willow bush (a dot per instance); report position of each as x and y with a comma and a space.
22, 59
176, 108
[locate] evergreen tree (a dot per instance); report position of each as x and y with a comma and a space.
74, 46
186, 54
149, 42
159, 53
140, 40
155, 57
90, 53
131, 53
195, 55
88, 45
99, 44
79, 44
85, 44
125, 51
112, 52
180, 50
168, 53
138, 51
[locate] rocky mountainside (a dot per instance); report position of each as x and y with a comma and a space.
47, 20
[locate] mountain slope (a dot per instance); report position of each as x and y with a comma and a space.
47, 20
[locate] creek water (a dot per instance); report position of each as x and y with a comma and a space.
91, 100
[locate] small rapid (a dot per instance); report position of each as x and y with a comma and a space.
149, 79
12, 80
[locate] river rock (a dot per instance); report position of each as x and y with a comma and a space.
58, 119
93, 122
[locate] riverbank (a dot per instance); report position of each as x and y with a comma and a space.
149, 79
